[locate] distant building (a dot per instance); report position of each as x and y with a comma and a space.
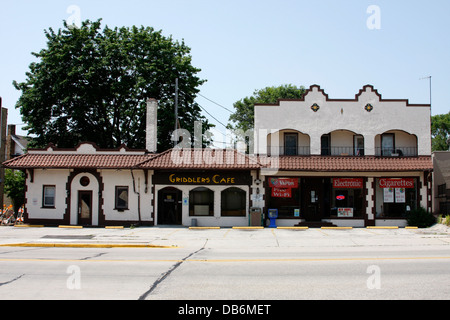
441, 182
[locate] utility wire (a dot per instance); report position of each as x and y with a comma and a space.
212, 116
215, 103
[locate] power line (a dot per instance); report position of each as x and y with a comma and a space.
212, 116
216, 103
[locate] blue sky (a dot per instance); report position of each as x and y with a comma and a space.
246, 45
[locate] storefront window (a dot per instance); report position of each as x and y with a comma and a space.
233, 202
395, 197
347, 198
284, 195
347, 203
201, 202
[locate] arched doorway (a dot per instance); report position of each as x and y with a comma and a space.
85, 198
169, 206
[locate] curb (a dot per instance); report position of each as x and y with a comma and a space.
248, 228
202, 228
294, 228
86, 245
337, 228
382, 227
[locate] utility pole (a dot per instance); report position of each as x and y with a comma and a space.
176, 108
3, 125
176, 104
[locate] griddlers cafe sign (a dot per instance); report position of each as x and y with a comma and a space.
205, 178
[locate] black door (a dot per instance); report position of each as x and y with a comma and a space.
85, 208
313, 199
169, 206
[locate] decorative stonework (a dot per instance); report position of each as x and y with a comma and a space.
315, 107
368, 107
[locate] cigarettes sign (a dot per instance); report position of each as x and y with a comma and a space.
396, 183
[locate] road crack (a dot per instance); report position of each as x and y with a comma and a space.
15, 279
166, 274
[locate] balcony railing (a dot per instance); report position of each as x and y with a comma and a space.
396, 152
289, 151
342, 151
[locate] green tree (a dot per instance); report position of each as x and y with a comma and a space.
92, 85
15, 188
440, 132
243, 118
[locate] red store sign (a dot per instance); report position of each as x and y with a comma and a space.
348, 183
281, 192
396, 183
283, 183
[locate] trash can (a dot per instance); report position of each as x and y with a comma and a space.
255, 217
193, 222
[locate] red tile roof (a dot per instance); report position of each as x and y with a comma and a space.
330, 163
224, 159
219, 159
66, 161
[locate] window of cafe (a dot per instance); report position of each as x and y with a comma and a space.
201, 202
233, 202
396, 197
347, 198
284, 195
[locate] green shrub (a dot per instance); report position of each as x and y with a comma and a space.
446, 221
420, 218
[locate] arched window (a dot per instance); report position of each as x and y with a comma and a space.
233, 202
201, 202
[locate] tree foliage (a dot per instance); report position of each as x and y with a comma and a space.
243, 118
440, 132
15, 188
92, 85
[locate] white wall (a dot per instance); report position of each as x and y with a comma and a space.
346, 115
34, 205
113, 178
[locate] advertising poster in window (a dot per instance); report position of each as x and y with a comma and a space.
400, 195
388, 194
345, 212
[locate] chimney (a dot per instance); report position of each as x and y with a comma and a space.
151, 134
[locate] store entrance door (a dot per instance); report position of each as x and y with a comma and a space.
313, 194
169, 206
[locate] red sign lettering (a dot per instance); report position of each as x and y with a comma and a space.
348, 183
281, 193
396, 183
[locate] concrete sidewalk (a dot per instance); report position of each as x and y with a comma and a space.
175, 237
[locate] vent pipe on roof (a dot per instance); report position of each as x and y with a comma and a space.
151, 134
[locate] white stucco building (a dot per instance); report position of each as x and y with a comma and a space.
353, 162
318, 161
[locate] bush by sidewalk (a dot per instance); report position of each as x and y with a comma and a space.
420, 218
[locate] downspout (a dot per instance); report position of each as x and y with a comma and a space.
139, 196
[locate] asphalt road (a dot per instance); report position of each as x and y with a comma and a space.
228, 264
